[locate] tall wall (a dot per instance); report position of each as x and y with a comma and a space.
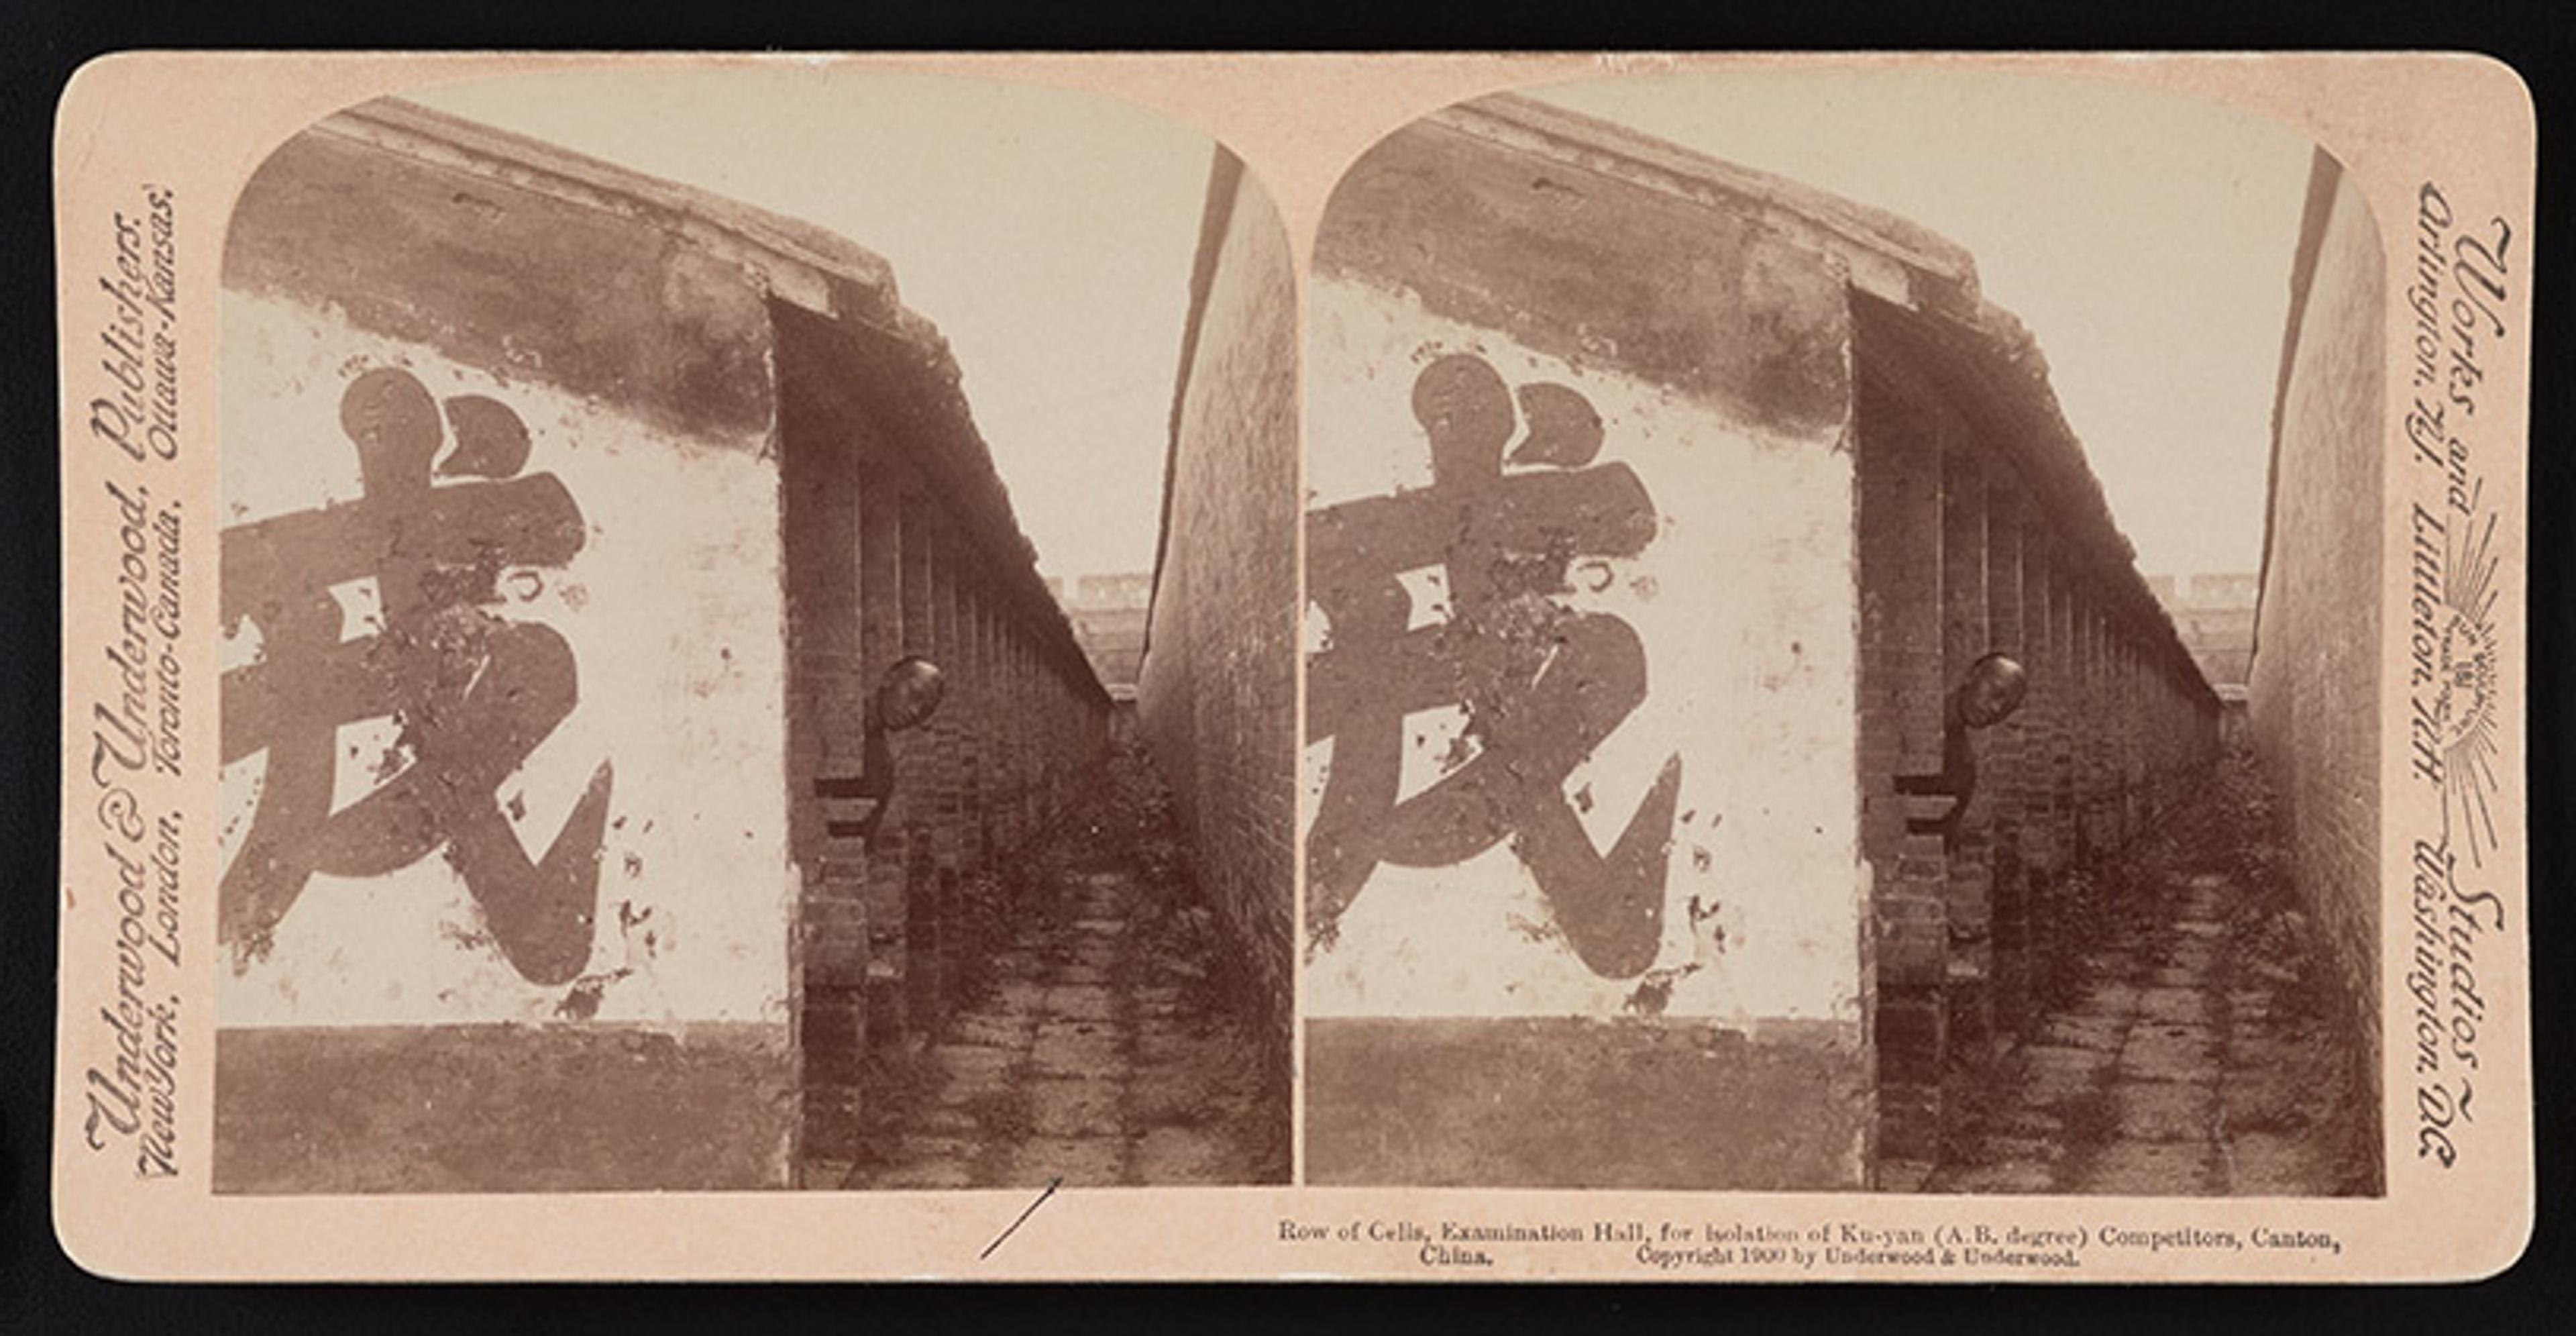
1217, 698
2314, 694
1585, 905
506, 871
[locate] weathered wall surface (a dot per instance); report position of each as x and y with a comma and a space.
1581, 673
2314, 694
503, 725
1218, 691
571, 521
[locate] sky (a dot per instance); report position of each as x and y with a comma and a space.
1047, 233
2144, 237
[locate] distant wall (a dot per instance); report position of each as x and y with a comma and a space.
2314, 705
2214, 615
507, 875
1658, 509
1218, 693
1108, 616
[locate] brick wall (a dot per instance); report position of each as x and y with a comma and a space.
1981, 530
2313, 705
1901, 667
820, 512
1217, 694
901, 541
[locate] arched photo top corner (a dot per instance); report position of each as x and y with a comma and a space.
1697, 110
537, 122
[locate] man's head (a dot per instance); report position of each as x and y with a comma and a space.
909, 693
1993, 689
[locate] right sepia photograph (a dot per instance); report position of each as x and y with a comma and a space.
1842, 644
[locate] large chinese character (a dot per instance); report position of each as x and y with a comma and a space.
1541, 684
472, 694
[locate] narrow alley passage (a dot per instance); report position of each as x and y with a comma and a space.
2190, 1048
1096, 1042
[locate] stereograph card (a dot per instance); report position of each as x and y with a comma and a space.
1678, 668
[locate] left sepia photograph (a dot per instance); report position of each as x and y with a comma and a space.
759, 618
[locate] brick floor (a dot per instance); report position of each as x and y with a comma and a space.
2191, 1059
1093, 1052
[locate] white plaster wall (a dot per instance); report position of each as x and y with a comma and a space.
1745, 602
674, 614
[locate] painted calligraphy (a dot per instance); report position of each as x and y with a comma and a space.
1541, 683
472, 694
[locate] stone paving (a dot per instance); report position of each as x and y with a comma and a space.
1097, 1052
2192, 1060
